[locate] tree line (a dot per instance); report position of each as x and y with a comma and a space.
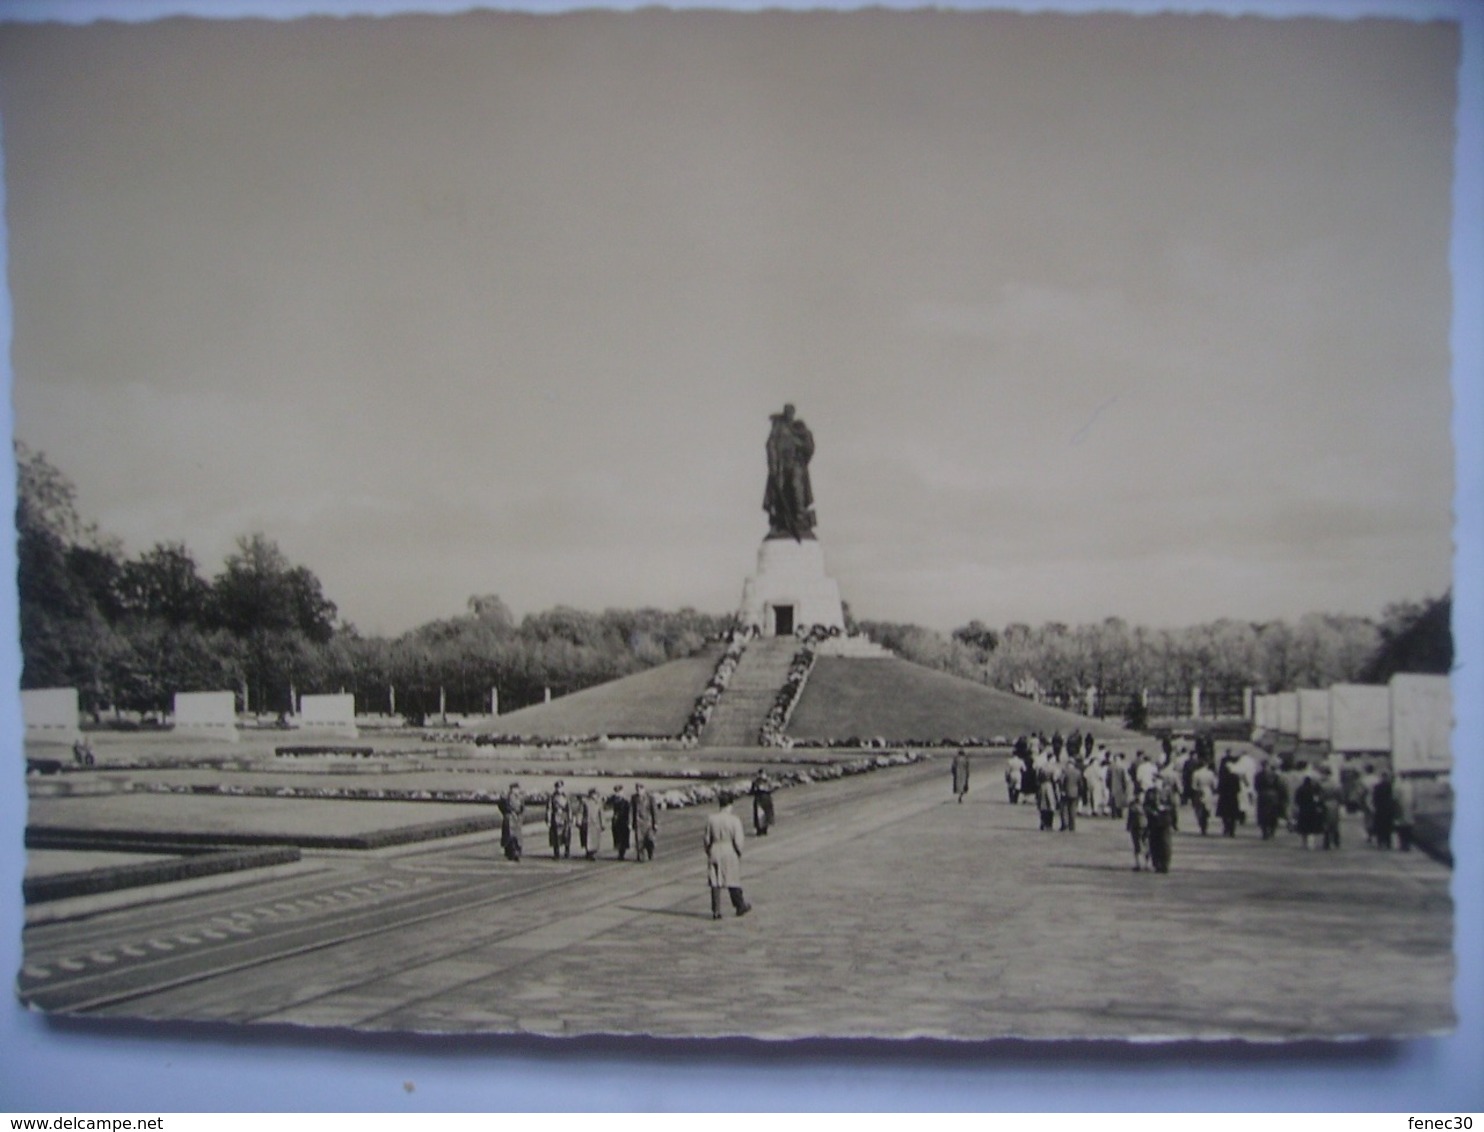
1059, 663
130, 631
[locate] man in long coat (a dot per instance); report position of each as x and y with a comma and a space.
1046, 796
644, 809
1310, 805
620, 825
1069, 791
1118, 786
960, 775
762, 803
1228, 797
1203, 794
512, 813
723, 842
559, 821
1159, 804
590, 823
1272, 799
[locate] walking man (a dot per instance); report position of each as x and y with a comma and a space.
1203, 794
762, 803
559, 821
645, 815
1272, 799
1046, 800
512, 813
1159, 806
619, 804
960, 775
1070, 792
723, 843
590, 823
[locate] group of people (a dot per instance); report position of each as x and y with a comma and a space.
1079, 776
633, 820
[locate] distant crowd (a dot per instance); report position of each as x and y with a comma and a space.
1077, 776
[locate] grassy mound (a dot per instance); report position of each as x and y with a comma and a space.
654, 703
897, 700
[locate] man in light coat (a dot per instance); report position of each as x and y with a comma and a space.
591, 823
723, 842
644, 812
512, 814
960, 775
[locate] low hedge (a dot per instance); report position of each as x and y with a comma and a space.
64, 837
112, 878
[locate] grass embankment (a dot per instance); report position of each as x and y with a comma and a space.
654, 703
904, 702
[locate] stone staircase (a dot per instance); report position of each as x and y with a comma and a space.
753, 689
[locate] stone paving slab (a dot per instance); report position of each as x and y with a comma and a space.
896, 912
918, 916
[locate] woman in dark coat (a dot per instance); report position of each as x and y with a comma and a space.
1228, 797
1383, 810
1308, 801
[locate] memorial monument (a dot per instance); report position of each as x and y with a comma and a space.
790, 589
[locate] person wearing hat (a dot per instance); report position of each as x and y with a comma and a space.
762, 803
559, 821
1159, 803
590, 823
723, 843
512, 812
619, 804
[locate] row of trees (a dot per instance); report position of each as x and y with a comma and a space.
129, 632
1059, 663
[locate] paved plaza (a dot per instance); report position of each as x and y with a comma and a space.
882, 907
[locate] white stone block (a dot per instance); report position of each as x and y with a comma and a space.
1421, 723
790, 590
50, 715
334, 713
207, 715
1360, 718
1286, 713
1313, 715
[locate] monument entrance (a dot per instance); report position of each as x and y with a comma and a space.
783, 620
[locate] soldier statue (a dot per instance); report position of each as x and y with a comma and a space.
789, 499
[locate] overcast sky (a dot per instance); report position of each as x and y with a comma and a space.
1090, 315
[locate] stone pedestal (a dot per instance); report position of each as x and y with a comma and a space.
791, 590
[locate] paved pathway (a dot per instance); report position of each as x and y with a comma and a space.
884, 908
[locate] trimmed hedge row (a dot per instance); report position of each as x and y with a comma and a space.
359, 752
112, 878
64, 837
